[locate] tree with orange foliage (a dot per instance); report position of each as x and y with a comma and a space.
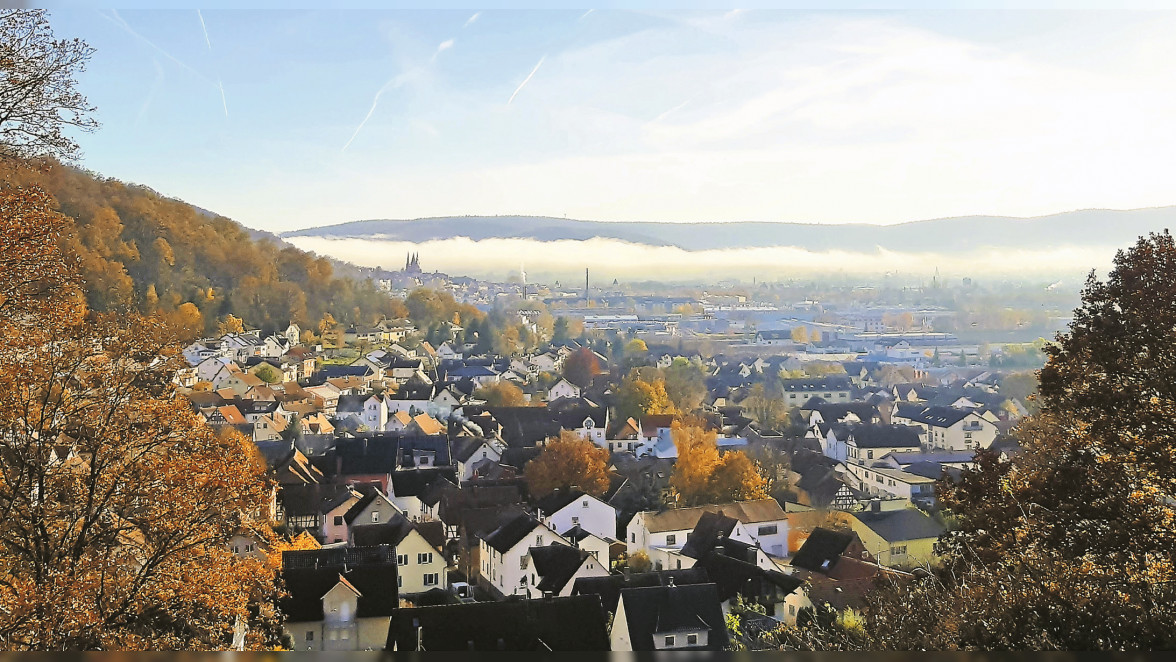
567, 461
117, 502
501, 394
229, 324
639, 397
702, 475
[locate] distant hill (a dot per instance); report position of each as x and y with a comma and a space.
1093, 227
138, 249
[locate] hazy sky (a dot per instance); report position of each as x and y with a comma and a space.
290, 119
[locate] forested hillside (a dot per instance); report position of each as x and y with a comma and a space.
139, 250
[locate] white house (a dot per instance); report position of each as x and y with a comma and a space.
947, 428
554, 569
562, 510
503, 563
563, 389
375, 413
469, 451
762, 521
419, 562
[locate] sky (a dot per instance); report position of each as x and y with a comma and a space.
287, 119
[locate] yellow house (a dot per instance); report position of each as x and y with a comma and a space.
903, 538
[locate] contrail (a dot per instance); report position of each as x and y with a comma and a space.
118, 20
391, 84
472, 19
526, 80
205, 28
585, 14
224, 101
154, 88
443, 46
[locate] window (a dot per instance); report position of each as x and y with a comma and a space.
575, 520
375, 516
768, 530
402, 559
670, 641
426, 557
584, 504
632, 537
431, 579
679, 562
672, 539
539, 540
399, 581
869, 455
791, 610
424, 459
338, 520
691, 640
522, 563
898, 550
310, 635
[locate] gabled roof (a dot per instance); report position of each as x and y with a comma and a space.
711, 529
748, 512
885, 436
375, 585
511, 533
556, 564
609, 588
658, 610
557, 500
822, 550
738, 577
557, 624
899, 525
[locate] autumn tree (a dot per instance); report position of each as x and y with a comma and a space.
501, 394
229, 324
118, 501
702, 475
581, 366
636, 347
567, 461
800, 335
268, 374
39, 101
638, 397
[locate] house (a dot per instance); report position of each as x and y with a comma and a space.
469, 451
762, 521
604, 549
339, 599
563, 509
891, 483
834, 388
563, 389
503, 553
574, 623
867, 443
554, 568
669, 617
420, 561
902, 538
948, 428
270, 427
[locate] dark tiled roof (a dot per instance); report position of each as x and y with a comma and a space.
736, 577
509, 534
822, 550
389, 533
556, 564
711, 529
885, 436
414, 482
609, 588
560, 624
659, 609
904, 524
377, 586
557, 500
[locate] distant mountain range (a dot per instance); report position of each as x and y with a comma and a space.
1093, 227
